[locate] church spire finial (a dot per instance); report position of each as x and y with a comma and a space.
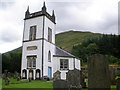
53, 13
53, 16
27, 13
28, 8
44, 4
44, 8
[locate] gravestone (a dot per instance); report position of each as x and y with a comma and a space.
118, 84
57, 75
73, 78
60, 84
112, 75
5, 77
118, 71
98, 72
82, 80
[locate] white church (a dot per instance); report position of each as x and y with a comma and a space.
40, 56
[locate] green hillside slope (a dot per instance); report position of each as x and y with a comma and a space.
67, 40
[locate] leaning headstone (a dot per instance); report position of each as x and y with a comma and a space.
73, 78
57, 75
118, 84
98, 72
60, 84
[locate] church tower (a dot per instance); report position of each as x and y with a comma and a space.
38, 44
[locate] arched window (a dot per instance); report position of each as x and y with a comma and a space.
38, 74
24, 74
31, 74
49, 56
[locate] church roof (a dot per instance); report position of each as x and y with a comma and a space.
61, 53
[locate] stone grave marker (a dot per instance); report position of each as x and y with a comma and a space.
5, 77
73, 79
112, 75
118, 84
82, 80
57, 75
60, 84
98, 72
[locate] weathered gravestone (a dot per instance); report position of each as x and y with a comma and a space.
5, 77
57, 75
73, 79
112, 75
117, 71
98, 72
82, 80
118, 84
60, 84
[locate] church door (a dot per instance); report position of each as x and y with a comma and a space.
49, 72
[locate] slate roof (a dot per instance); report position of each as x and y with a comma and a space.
61, 53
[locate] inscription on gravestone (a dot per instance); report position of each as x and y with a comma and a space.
98, 72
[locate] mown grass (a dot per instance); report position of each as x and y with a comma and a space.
32, 84
73, 38
0, 83
26, 84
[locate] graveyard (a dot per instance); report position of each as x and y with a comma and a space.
99, 76
33, 84
45, 60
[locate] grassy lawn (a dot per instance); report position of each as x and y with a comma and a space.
27, 84
32, 84
0, 83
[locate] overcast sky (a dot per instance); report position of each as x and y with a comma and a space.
98, 16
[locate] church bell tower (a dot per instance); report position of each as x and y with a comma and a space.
38, 44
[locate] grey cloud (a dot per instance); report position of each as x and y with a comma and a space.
65, 21
9, 36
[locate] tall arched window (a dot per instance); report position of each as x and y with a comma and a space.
49, 56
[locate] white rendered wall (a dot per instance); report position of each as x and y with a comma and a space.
36, 52
48, 46
51, 25
38, 21
77, 64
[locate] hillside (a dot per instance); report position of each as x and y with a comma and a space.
67, 40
